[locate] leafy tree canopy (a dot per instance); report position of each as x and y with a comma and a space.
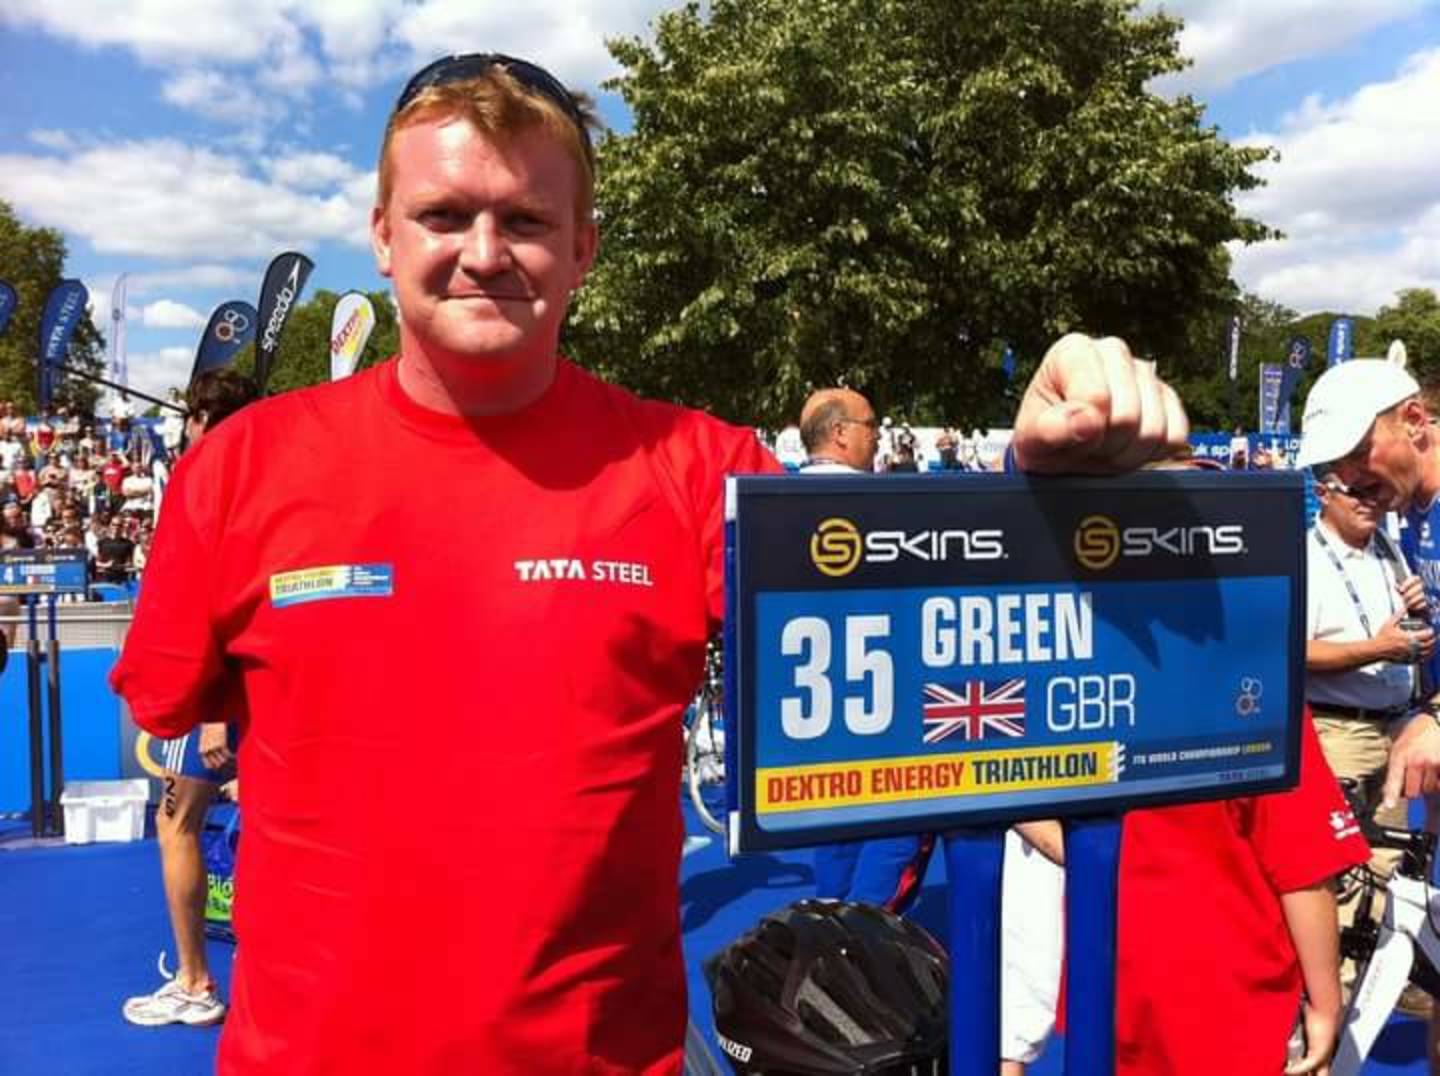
878, 192
32, 260
1415, 319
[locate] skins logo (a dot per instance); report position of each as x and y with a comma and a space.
1098, 541
835, 547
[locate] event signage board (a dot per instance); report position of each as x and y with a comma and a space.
43, 571
920, 654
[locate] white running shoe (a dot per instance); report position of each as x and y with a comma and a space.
172, 1004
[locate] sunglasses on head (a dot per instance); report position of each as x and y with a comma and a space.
474, 64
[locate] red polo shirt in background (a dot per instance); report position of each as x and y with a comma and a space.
1206, 975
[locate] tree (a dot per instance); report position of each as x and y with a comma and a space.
1415, 319
304, 354
32, 260
1212, 400
879, 192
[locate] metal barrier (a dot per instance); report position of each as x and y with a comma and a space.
77, 625
80, 625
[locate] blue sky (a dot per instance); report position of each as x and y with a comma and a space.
184, 142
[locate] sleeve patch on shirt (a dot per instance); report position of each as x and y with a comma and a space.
332, 581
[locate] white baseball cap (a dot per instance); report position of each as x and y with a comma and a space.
1342, 406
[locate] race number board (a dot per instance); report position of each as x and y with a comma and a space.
43, 571
908, 654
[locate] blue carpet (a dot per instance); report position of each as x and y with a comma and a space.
80, 928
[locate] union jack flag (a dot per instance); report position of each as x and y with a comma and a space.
975, 710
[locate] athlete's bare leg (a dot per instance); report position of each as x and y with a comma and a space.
178, 823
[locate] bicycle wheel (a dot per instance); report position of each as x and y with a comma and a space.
705, 765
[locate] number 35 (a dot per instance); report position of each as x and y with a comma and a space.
807, 715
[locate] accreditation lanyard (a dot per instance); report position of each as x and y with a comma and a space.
1349, 584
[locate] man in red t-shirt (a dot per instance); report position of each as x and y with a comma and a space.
112, 476
507, 900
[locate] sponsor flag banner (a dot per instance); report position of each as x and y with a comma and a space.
231, 326
1233, 347
63, 310
350, 329
964, 650
116, 359
1342, 341
1272, 377
284, 281
1297, 361
1007, 362
8, 302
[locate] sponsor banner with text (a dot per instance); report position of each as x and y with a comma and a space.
8, 302
350, 327
279, 292
916, 654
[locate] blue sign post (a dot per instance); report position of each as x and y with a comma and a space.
36, 574
953, 654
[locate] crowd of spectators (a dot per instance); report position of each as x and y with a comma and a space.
76, 482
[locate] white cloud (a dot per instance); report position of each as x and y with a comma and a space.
226, 98
212, 277
193, 278
291, 45
1230, 39
168, 314
353, 32
50, 139
160, 31
162, 198
1354, 191
157, 372
310, 171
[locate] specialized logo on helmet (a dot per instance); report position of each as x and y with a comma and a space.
740, 1053
1097, 542
835, 547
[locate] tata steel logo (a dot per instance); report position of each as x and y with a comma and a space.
837, 546
1099, 542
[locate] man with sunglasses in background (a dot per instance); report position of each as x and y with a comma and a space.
506, 901
1366, 427
1365, 645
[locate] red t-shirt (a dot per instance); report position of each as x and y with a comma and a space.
462, 829
1206, 976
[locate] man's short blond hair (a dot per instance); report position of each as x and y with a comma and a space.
500, 107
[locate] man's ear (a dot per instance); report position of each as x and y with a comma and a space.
380, 239
1415, 417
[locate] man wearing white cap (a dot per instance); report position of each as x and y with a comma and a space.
1367, 429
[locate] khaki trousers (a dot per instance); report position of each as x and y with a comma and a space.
1359, 748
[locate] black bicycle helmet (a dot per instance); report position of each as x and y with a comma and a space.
824, 987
